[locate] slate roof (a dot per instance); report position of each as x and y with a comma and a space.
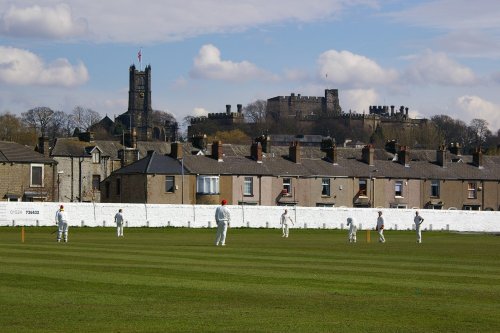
76, 148
153, 163
237, 161
17, 153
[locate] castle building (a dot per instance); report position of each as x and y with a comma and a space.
301, 107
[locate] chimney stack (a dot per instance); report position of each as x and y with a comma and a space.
128, 156
176, 150
256, 151
331, 154
294, 152
477, 158
404, 156
455, 149
228, 108
392, 110
240, 108
217, 150
43, 146
441, 156
367, 154
265, 141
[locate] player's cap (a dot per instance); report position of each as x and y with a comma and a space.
61, 207
224, 201
380, 212
349, 219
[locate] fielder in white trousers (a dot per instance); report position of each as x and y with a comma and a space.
285, 221
418, 220
119, 223
352, 229
62, 225
222, 217
380, 227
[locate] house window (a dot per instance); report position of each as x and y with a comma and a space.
325, 186
472, 190
207, 185
362, 188
435, 188
398, 188
36, 177
169, 184
96, 157
96, 180
118, 186
248, 186
287, 186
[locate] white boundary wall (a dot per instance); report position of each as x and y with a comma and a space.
202, 216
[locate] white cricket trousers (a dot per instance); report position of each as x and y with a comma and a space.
62, 231
284, 229
221, 233
352, 236
381, 237
119, 230
419, 235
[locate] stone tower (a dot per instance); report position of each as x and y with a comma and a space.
139, 114
332, 105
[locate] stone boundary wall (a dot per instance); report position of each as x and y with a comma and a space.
202, 216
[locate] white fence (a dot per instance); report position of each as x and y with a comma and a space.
202, 216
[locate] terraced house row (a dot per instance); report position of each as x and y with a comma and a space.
259, 174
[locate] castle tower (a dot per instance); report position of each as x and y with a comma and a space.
331, 105
139, 103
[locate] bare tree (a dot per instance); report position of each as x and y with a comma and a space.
84, 117
62, 125
479, 127
39, 119
163, 117
255, 112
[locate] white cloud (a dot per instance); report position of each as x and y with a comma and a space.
352, 70
437, 68
471, 107
21, 67
129, 21
451, 14
358, 100
198, 112
209, 65
38, 21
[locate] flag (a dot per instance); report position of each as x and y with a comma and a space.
139, 55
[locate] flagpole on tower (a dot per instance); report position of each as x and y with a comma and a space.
139, 56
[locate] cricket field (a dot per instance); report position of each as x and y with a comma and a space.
176, 280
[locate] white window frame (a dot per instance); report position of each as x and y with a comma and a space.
287, 185
398, 184
435, 188
96, 156
325, 187
41, 176
207, 184
471, 190
362, 181
248, 186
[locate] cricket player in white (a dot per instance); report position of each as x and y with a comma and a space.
119, 223
352, 230
380, 227
62, 224
222, 217
285, 221
418, 221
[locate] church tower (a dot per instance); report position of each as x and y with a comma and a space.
139, 103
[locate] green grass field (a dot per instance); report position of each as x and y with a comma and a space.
176, 280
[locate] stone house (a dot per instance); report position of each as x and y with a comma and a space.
84, 162
27, 175
331, 176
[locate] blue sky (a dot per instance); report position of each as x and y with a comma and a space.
435, 57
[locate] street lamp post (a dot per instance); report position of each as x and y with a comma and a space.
372, 181
59, 173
